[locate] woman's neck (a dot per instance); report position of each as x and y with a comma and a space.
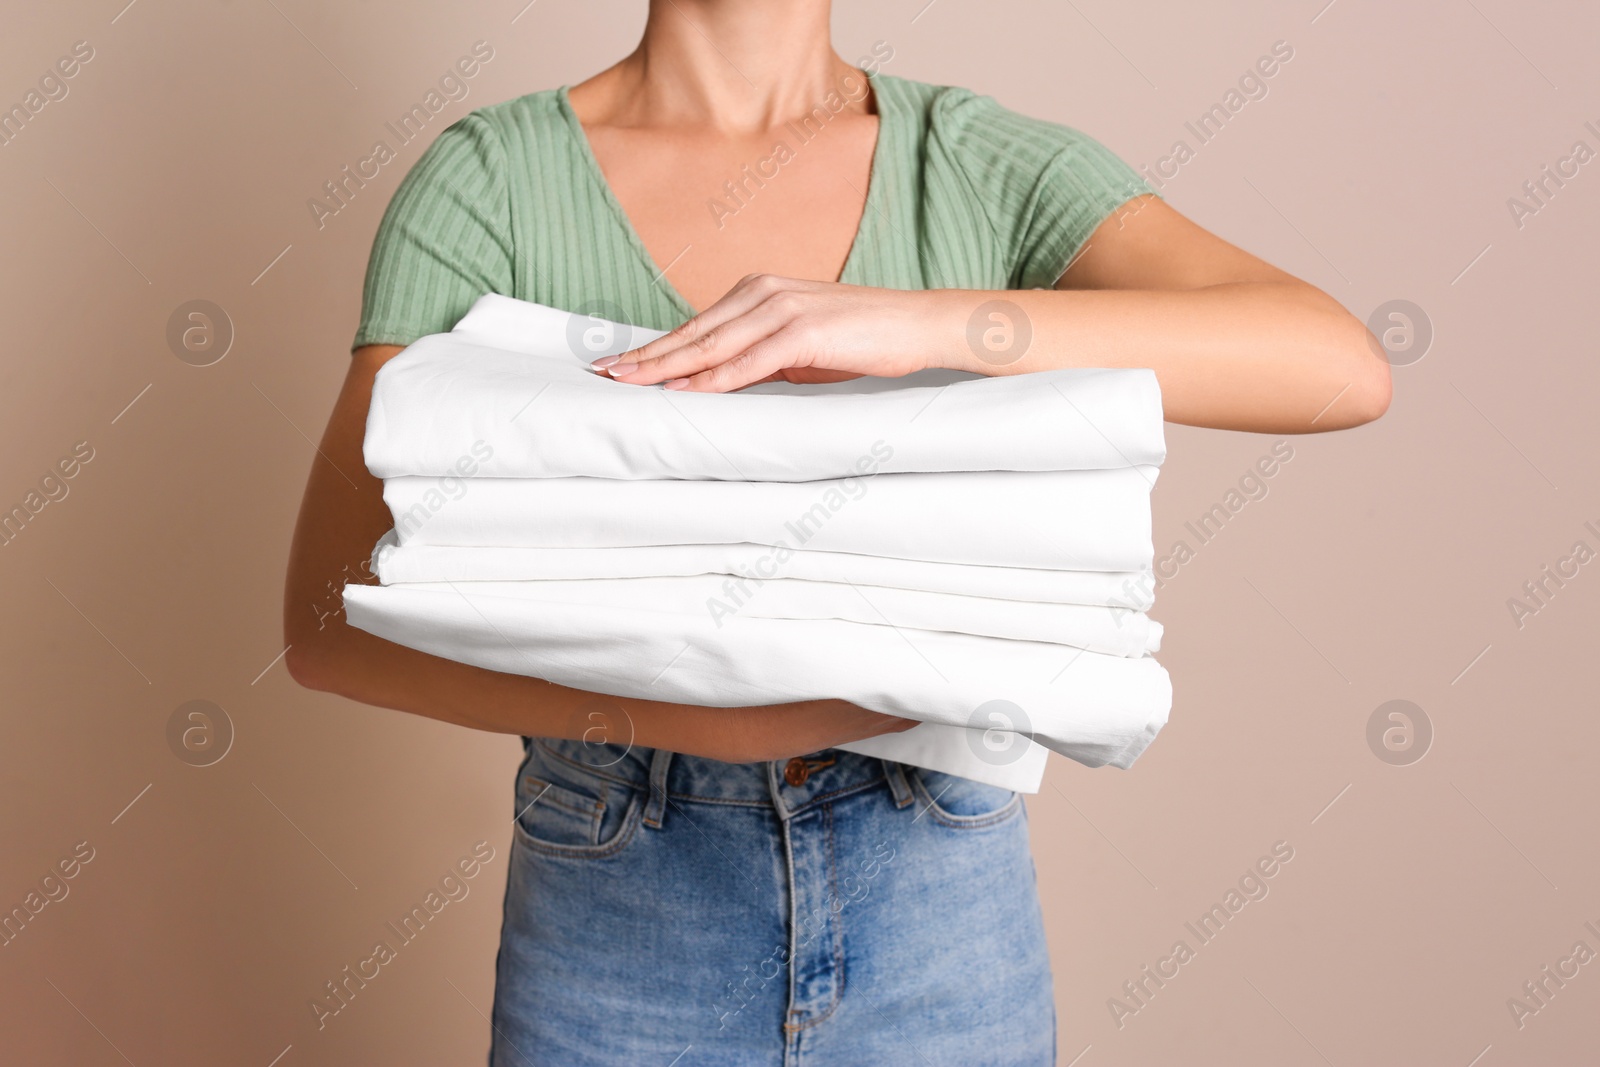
739, 66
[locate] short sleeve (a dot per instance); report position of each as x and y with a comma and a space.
444, 241
1046, 187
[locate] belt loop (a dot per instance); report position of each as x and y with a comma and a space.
660, 760
898, 786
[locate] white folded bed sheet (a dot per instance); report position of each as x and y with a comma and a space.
720, 599
1096, 520
513, 380
969, 552
1121, 590
1094, 708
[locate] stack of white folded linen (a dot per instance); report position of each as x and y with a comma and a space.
973, 554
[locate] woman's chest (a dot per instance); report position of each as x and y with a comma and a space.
710, 209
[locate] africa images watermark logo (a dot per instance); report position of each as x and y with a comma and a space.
452, 87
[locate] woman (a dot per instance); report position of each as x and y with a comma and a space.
721, 886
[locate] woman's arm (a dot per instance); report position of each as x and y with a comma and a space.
1235, 343
341, 518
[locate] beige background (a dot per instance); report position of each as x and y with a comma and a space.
1378, 567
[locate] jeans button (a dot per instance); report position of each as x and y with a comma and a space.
796, 771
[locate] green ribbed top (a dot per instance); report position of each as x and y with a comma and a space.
963, 194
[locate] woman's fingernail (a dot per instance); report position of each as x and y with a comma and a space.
622, 368
605, 362
677, 383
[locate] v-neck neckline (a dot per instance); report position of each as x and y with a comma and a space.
631, 233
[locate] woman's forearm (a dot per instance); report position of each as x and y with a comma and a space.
1235, 342
1268, 356
368, 669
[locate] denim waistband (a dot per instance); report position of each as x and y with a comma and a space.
790, 786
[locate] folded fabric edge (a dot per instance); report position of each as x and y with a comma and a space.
1134, 594
1151, 643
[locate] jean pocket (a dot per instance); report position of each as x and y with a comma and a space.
568, 818
960, 802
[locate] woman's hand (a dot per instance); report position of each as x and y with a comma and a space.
769, 328
1234, 342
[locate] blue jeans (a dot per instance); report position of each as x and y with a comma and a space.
839, 910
